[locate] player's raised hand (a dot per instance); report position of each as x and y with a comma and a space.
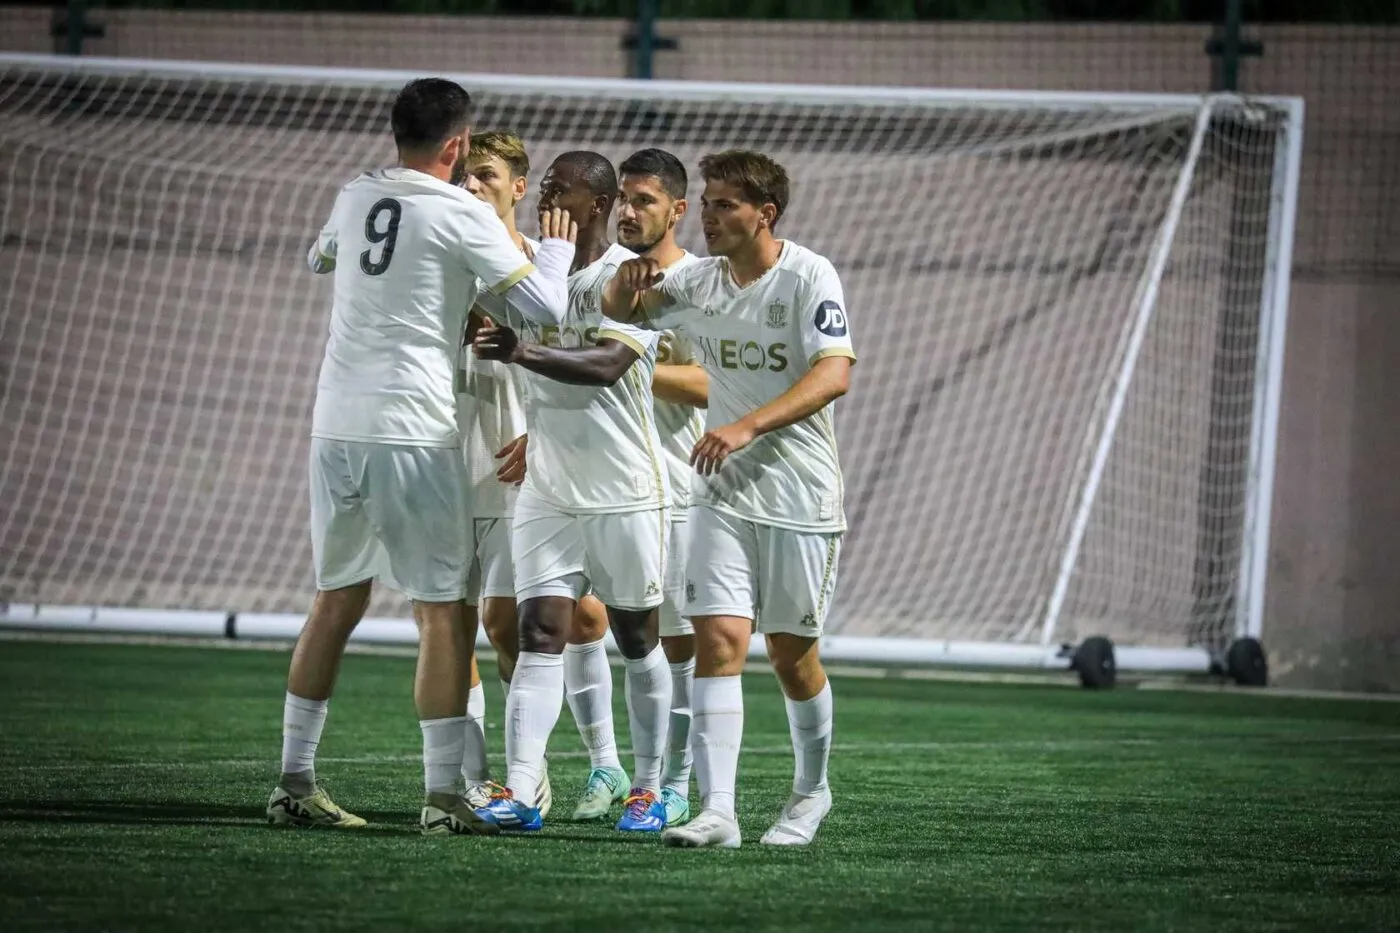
637, 275
495, 342
513, 469
556, 224
714, 446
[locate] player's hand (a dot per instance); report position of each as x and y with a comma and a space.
513, 469
714, 446
637, 275
495, 342
527, 249
556, 224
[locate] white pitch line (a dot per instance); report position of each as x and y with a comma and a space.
839, 748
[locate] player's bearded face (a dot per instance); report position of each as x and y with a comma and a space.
644, 214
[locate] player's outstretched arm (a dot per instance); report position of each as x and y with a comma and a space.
628, 297
826, 381
682, 383
600, 365
542, 295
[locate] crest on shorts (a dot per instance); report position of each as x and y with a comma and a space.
690, 592
777, 315
652, 590
809, 621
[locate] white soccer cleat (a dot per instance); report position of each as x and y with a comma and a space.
709, 830
452, 815
314, 809
478, 794
800, 820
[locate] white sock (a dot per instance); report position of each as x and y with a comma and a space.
809, 724
531, 712
716, 735
589, 686
648, 704
444, 740
505, 702
474, 767
678, 759
302, 722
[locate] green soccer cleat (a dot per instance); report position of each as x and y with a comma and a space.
605, 787
677, 806
313, 810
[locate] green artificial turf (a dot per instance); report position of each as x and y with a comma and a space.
133, 781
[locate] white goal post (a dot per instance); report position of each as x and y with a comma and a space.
1069, 310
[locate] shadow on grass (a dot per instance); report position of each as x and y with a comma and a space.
182, 813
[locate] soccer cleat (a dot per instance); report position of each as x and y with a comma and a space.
642, 812
453, 815
709, 830
677, 806
478, 794
797, 826
315, 809
544, 797
605, 787
508, 813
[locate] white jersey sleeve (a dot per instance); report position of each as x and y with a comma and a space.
487, 249
321, 257
641, 340
825, 331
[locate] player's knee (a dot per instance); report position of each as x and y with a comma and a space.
634, 630
678, 648
498, 618
797, 663
544, 624
721, 645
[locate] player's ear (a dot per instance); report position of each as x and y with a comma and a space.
768, 215
678, 209
518, 187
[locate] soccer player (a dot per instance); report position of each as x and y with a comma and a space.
593, 509
492, 411
768, 319
650, 205
389, 496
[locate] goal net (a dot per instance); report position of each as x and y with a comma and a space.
1058, 426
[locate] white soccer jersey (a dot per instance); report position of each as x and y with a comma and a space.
491, 414
408, 251
756, 342
594, 448
679, 426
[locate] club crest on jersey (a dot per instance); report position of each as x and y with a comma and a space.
777, 315
830, 319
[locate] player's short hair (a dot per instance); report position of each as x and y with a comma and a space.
428, 112
762, 180
596, 170
504, 145
658, 162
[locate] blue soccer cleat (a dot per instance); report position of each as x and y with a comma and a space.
510, 814
642, 812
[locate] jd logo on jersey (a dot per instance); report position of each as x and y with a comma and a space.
830, 319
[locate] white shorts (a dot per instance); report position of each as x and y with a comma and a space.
392, 511
494, 570
622, 556
672, 615
784, 580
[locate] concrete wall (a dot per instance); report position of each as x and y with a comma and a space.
1331, 618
